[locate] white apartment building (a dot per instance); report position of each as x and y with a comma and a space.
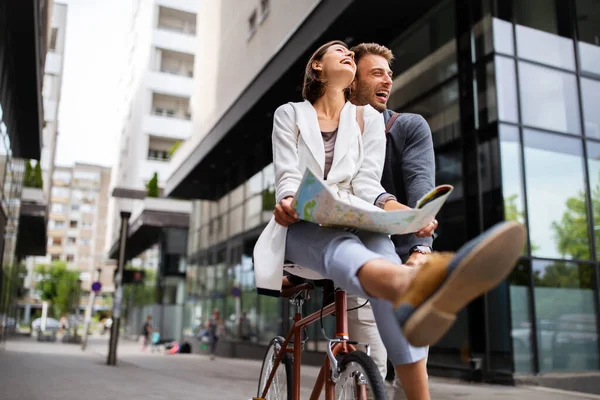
52, 89
77, 219
157, 85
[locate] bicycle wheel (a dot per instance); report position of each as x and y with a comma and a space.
281, 385
359, 378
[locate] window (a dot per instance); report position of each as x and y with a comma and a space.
161, 155
70, 258
594, 175
566, 316
55, 257
53, 37
58, 208
74, 207
558, 226
87, 208
59, 224
590, 94
549, 99
265, 8
86, 224
71, 240
252, 25
72, 224
60, 192
56, 241
588, 20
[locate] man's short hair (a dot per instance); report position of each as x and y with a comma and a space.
364, 49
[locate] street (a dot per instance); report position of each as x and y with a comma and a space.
30, 370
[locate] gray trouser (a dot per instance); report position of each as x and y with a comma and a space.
338, 255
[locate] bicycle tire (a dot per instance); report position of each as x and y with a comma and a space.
358, 362
267, 365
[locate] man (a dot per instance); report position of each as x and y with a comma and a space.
409, 173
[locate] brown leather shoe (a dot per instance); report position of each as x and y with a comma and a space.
447, 282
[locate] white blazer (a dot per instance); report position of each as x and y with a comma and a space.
297, 145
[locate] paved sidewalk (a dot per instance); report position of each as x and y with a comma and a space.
47, 371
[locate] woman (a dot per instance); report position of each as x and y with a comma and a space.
346, 146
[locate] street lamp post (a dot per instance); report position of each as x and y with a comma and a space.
116, 314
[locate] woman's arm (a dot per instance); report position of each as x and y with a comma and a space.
285, 152
367, 182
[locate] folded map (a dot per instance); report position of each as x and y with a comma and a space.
315, 202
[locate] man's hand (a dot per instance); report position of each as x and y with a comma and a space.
428, 230
285, 215
417, 258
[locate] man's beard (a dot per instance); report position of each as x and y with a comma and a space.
363, 96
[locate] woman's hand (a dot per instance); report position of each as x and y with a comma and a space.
285, 215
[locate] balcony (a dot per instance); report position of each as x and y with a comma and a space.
176, 20
53, 63
167, 82
173, 40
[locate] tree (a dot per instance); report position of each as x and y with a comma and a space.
571, 231
38, 181
57, 285
27, 178
174, 148
152, 186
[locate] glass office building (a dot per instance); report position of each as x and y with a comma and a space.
511, 91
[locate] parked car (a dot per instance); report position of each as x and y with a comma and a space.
51, 324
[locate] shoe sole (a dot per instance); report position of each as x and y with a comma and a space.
481, 270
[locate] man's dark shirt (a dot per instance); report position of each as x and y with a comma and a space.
409, 170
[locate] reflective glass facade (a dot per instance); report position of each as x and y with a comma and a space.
510, 90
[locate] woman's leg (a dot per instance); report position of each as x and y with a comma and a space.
410, 362
342, 257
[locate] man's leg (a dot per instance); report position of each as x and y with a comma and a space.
410, 362
362, 328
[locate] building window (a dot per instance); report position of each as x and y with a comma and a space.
265, 8
58, 208
70, 258
55, 257
72, 224
53, 36
159, 155
71, 240
74, 207
590, 94
56, 241
549, 99
252, 25
85, 241
557, 206
59, 224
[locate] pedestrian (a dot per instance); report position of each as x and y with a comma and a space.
214, 326
146, 333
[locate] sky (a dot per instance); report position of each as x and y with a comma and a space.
94, 55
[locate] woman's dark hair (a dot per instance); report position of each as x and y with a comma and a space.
314, 87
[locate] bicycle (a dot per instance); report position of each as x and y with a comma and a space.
346, 373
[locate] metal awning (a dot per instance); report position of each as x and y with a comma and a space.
23, 25
31, 235
147, 222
